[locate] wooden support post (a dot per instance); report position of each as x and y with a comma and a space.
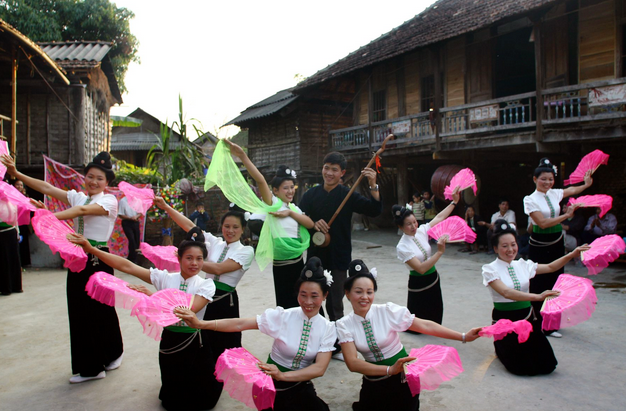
539, 81
401, 181
14, 102
438, 101
48, 149
370, 107
28, 160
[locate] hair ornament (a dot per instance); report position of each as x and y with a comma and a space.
555, 170
357, 267
329, 277
546, 161
287, 171
504, 226
231, 205
398, 212
246, 215
308, 273
374, 273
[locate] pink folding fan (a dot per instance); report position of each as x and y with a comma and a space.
157, 311
604, 250
163, 257
605, 202
112, 291
244, 380
463, 179
54, 233
503, 327
455, 228
591, 162
434, 364
139, 199
4, 149
575, 304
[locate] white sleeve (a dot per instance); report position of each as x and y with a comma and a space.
343, 333
245, 256
207, 289
330, 336
559, 193
210, 239
489, 274
399, 318
271, 321
109, 203
404, 252
74, 197
158, 277
530, 205
513, 219
530, 266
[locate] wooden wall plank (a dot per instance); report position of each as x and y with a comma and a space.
597, 41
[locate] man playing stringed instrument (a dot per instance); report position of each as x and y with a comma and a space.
320, 203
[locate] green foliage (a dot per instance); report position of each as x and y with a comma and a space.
185, 161
135, 175
66, 20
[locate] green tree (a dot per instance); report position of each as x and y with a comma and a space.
65, 20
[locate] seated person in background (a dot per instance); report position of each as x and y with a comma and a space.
505, 214
598, 227
573, 228
200, 217
473, 220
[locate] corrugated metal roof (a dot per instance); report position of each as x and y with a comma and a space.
139, 141
265, 107
443, 20
77, 53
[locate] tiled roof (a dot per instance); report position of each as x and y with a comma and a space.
265, 107
140, 141
443, 20
77, 53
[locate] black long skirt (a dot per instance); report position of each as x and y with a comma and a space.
95, 336
285, 278
25, 245
533, 357
426, 304
545, 255
225, 307
299, 396
10, 268
193, 363
387, 394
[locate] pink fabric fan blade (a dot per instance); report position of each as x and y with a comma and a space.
163, 257
434, 365
603, 251
8, 212
54, 233
139, 199
112, 291
159, 307
605, 202
4, 149
244, 380
455, 228
463, 179
591, 162
503, 327
24, 206
575, 303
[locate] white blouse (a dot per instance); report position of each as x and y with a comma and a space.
196, 285
537, 202
96, 227
407, 248
385, 322
523, 270
291, 226
297, 339
237, 252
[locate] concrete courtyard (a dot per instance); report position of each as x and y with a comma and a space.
591, 375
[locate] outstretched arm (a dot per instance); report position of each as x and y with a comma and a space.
556, 264
34, 183
544, 222
81, 210
355, 364
112, 260
574, 190
264, 188
226, 325
438, 330
317, 369
422, 267
443, 214
515, 295
182, 221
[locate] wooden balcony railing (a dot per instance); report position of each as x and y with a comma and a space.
2, 120
563, 105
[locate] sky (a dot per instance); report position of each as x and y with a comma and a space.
224, 56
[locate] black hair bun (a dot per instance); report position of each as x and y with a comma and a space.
103, 162
285, 172
399, 213
235, 207
313, 270
502, 226
545, 165
195, 234
357, 267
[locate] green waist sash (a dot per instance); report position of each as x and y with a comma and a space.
280, 367
95, 243
550, 230
392, 360
432, 270
5, 225
223, 286
517, 305
181, 329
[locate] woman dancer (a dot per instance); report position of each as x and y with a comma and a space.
24, 231
372, 330
227, 261
303, 340
424, 299
546, 239
508, 280
94, 349
292, 237
183, 350
10, 268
